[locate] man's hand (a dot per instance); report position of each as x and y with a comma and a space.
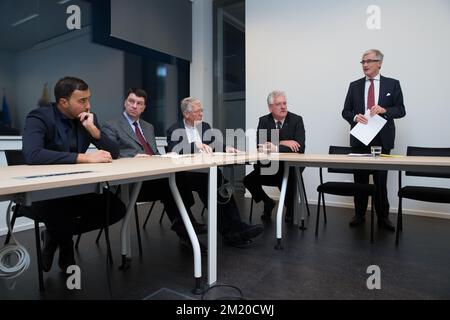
230, 149
376, 109
100, 156
292, 144
267, 147
361, 119
87, 120
205, 148
142, 155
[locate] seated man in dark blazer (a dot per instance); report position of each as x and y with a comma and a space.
279, 131
61, 134
136, 138
382, 96
192, 135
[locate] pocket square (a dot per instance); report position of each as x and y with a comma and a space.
388, 95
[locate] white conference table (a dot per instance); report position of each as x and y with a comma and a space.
400, 163
26, 184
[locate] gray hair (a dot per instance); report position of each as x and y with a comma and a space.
378, 54
275, 94
186, 104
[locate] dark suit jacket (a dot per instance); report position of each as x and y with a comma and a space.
122, 133
390, 98
177, 140
46, 139
293, 129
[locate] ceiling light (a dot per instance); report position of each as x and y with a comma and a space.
15, 24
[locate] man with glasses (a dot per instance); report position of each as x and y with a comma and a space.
136, 138
379, 96
192, 135
279, 131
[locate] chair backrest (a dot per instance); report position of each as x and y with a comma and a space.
340, 150
14, 157
424, 152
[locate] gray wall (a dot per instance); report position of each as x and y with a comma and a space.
312, 50
75, 55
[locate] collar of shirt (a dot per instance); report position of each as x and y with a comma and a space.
192, 133
282, 122
377, 78
66, 121
131, 122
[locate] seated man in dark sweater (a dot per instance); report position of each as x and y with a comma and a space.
61, 134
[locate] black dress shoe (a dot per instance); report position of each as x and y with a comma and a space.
357, 221
66, 255
48, 251
386, 224
237, 242
250, 231
186, 243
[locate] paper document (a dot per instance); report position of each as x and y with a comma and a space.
359, 154
175, 155
366, 132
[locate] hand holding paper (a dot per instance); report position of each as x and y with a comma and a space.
366, 132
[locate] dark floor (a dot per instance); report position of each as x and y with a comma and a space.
333, 266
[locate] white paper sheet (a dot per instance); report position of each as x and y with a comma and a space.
366, 132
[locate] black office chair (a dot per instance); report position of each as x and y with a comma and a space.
136, 216
250, 218
421, 193
343, 189
15, 157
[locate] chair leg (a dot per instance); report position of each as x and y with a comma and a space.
98, 236
399, 219
324, 208
372, 210
306, 198
39, 256
318, 214
78, 241
13, 221
250, 217
138, 231
148, 215
162, 215
108, 245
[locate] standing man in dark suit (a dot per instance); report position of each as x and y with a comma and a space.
136, 138
61, 134
192, 135
288, 136
382, 96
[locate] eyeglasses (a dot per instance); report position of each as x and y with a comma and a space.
368, 61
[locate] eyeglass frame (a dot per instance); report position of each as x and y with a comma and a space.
369, 61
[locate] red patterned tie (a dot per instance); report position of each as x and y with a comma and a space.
371, 95
141, 139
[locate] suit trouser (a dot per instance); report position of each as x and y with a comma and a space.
65, 217
228, 217
255, 181
380, 181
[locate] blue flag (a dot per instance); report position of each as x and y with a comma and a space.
6, 116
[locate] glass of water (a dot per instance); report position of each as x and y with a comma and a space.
376, 151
